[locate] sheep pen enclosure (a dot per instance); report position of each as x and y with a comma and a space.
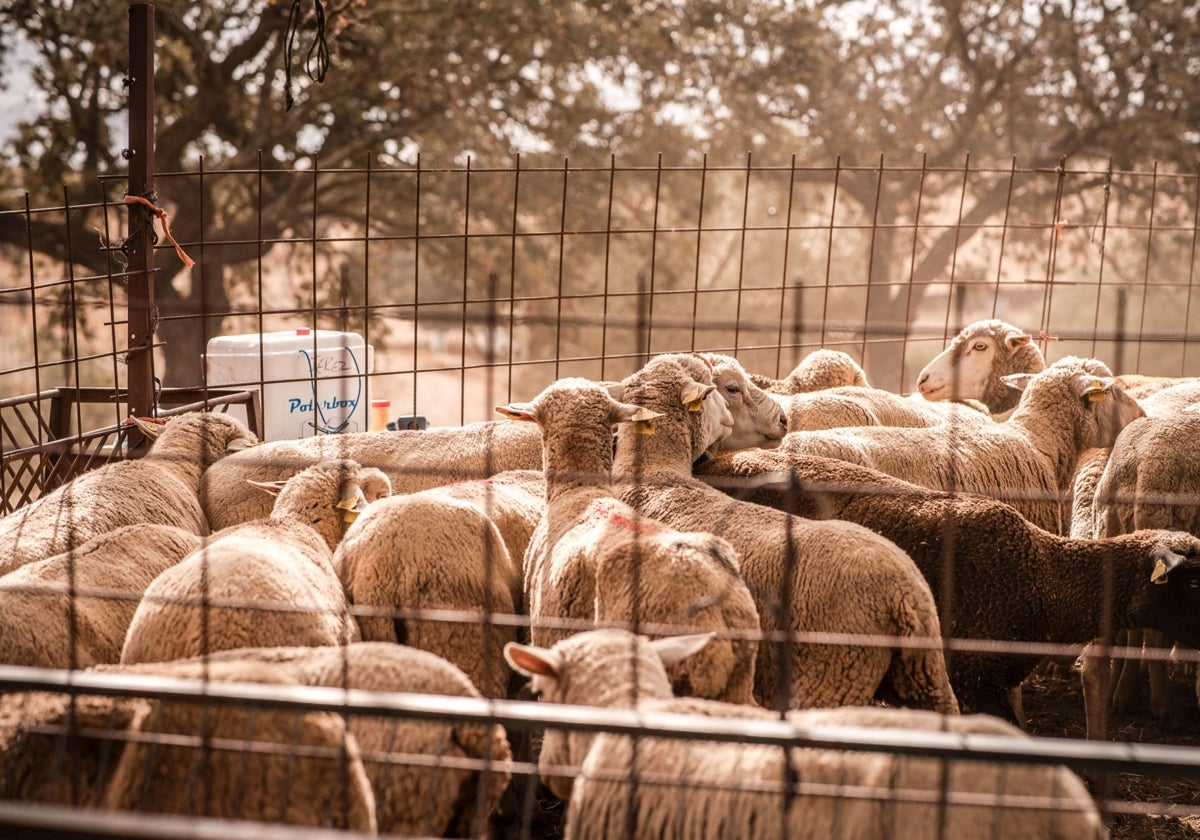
471, 284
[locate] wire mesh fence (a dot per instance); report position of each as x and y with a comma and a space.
380, 692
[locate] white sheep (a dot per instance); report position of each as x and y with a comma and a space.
1028, 461
161, 487
1172, 399
975, 362
73, 610
858, 406
799, 572
412, 460
267, 582
820, 369
593, 559
692, 788
431, 551
1152, 480
185, 758
430, 778
1141, 386
757, 418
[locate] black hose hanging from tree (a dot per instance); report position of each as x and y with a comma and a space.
318, 53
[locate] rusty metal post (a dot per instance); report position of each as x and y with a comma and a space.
140, 241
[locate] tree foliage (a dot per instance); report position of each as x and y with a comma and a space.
920, 83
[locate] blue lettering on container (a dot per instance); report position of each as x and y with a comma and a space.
296, 404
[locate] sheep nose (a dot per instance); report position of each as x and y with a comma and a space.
783, 421
923, 378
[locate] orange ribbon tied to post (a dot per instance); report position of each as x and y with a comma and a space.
165, 219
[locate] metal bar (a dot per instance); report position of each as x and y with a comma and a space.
140, 241
1117, 756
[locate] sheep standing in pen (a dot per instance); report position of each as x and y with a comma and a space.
412, 460
822, 368
975, 362
73, 610
430, 551
998, 576
595, 559
806, 577
430, 778
182, 758
694, 789
1151, 480
267, 582
161, 487
1028, 461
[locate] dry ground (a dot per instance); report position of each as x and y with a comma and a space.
1054, 707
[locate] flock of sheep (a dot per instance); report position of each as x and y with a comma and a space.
693, 539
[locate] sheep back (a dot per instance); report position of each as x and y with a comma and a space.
1153, 477
413, 460
429, 551
327, 787
410, 798
73, 610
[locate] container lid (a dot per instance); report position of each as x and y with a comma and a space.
381, 403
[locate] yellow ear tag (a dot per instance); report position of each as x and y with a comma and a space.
350, 506
1159, 575
1094, 392
645, 421
694, 400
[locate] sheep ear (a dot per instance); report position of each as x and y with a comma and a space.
240, 443
674, 649
1017, 381
1164, 563
695, 394
272, 487
533, 661
1092, 388
645, 421
1015, 340
149, 427
376, 485
518, 411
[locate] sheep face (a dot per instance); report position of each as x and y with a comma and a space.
1172, 602
608, 668
971, 365
758, 419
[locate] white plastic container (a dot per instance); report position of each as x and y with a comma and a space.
310, 382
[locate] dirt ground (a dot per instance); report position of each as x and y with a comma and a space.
1054, 708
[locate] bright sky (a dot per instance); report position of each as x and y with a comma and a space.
17, 99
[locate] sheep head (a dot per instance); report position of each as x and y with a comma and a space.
975, 362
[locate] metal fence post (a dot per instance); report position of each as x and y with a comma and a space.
141, 237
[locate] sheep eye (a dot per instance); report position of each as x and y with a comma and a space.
1193, 582
980, 346
733, 389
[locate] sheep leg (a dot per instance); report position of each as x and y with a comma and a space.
1095, 674
1126, 677
1017, 701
